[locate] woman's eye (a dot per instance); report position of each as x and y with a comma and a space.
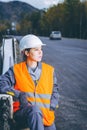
36, 49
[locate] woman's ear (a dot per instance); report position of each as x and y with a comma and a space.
26, 53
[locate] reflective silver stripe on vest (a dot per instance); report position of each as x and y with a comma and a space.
41, 96
29, 94
44, 96
43, 105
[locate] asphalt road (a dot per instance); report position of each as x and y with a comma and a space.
69, 57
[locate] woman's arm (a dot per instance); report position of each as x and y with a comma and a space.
7, 82
55, 94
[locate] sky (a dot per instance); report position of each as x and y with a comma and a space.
40, 4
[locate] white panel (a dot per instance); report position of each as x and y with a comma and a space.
8, 60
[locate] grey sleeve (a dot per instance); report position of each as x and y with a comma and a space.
7, 82
55, 94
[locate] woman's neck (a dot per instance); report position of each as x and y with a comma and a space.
31, 64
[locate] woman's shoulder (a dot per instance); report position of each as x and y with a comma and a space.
47, 65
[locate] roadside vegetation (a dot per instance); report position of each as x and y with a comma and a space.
69, 17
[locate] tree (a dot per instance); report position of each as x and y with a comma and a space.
25, 24
83, 20
35, 20
71, 18
52, 19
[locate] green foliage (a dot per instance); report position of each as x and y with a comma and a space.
70, 17
35, 20
51, 20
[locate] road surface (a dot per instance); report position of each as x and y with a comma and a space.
69, 57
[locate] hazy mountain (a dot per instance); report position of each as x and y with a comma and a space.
14, 10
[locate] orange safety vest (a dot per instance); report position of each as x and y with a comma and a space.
39, 94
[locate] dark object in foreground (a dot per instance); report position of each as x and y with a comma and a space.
5, 113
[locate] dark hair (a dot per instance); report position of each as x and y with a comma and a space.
24, 56
27, 49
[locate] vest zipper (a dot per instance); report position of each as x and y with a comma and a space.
35, 94
36, 81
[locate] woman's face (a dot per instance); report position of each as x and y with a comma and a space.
35, 54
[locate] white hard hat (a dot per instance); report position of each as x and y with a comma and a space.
30, 41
